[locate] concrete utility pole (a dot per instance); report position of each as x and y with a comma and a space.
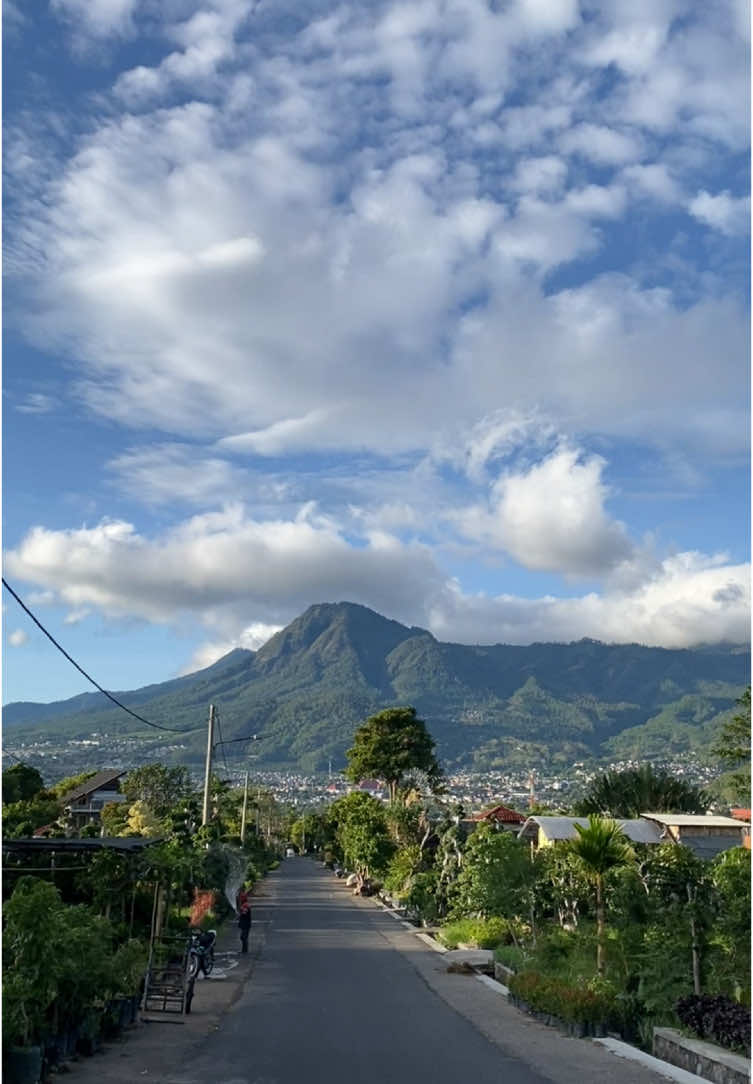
208, 766
245, 807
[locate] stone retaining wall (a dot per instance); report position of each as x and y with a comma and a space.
706, 1060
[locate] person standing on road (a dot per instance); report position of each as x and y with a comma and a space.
244, 925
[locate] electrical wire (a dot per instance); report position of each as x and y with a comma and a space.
141, 719
221, 742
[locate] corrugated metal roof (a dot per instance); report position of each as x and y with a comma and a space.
693, 820
555, 828
100, 843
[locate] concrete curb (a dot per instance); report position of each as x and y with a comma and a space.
497, 987
631, 1053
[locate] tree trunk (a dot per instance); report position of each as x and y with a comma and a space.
694, 947
600, 926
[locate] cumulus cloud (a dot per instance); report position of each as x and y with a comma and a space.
724, 212
287, 254
18, 638
221, 568
690, 600
551, 517
36, 402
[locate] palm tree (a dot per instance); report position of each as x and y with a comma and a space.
600, 848
641, 790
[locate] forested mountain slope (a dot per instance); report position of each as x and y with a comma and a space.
305, 691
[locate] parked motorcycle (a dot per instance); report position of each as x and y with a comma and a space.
201, 952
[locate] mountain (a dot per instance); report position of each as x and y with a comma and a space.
306, 690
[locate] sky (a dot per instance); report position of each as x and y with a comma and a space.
437, 306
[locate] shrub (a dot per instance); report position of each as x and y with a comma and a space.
479, 932
718, 1018
573, 1004
511, 956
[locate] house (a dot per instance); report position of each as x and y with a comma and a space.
705, 835
500, 816
546, 831
84, 803
743, 815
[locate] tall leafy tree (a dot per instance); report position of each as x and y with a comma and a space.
600, 847
21, 783
733, 748
391, 745
495, 877
363, 834
634, 791
159, 786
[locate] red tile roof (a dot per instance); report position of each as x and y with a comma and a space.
501, 813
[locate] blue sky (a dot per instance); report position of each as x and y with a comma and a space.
439, 306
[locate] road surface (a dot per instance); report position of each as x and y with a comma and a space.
342, 992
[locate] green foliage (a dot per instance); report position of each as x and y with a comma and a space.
363, 833
309, 687
733, 749
483, 933
496, 876
733, 744
391, 744
600, 848
589, 1006
158, 787
21, 783
65, 786
57, 959
513, 956
21, 819
631, 792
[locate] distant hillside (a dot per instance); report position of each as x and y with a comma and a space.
306, 690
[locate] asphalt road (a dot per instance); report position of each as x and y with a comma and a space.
342, 993
332, 1000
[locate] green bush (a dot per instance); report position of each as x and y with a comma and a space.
479, 932
512, 956
582, 1004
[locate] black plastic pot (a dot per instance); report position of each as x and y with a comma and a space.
22, 1065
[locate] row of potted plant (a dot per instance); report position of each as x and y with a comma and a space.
578, 1010
64, 980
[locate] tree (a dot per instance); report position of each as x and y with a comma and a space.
680, 886
389, 746
733, 749
601, 847
634, 791
495, 876
363, 834
21, 783
160, 787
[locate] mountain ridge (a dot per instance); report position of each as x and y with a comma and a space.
307, 688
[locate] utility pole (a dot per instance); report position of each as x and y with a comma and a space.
208, 766
245, 807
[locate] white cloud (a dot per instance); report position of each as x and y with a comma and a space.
18, 638
220, 568
169, 473
653, 179
724, 212
551, 517
98, 18
691, 600
603, 145
36, 402
251, 638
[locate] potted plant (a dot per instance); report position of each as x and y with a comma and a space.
22, 1021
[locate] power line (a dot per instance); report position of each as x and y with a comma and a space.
141, 719
221, 742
